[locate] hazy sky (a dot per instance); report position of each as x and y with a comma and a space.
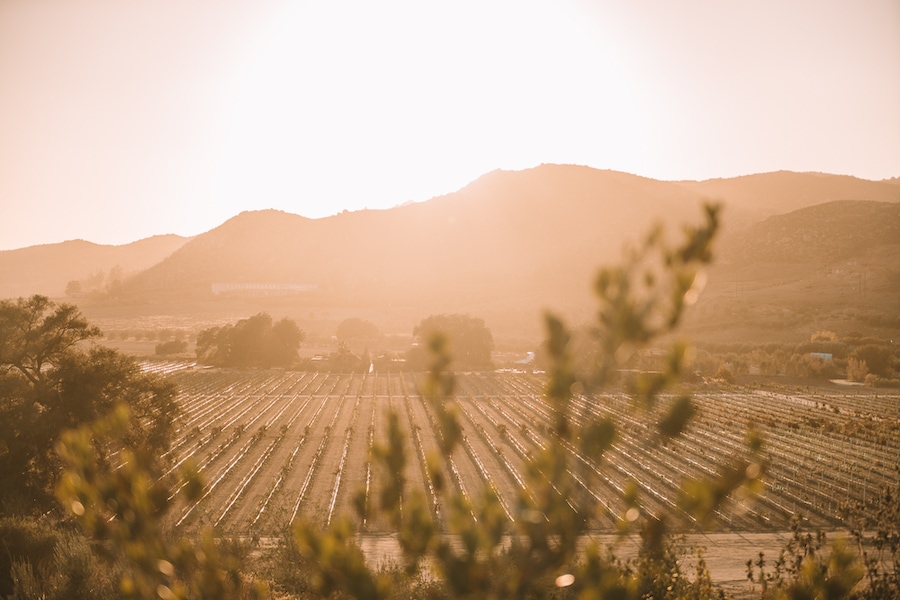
121, 120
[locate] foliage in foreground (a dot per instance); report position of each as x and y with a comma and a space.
123, 508
861, 565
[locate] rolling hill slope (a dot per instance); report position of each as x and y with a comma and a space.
832, 266
752, 198
513, 243
506, 231
46, 269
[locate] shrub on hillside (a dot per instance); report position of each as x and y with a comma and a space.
41, 560
810, 366
878, 359
725, 374
857, 369
875, 381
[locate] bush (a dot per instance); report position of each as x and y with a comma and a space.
355, 328
809, 366
253, 342
40, 560
470, 341
723, 373
823, 336
857, 370
878, 358
171, 347
123, 507
25, 539
875, 381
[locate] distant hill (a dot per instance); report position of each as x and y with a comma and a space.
505, 247
821, 234
507, 232
47, 269
833, 266
755, 197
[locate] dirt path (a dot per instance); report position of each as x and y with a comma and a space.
726, 554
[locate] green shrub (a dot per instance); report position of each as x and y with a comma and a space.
171, 347
723, 373
24, 540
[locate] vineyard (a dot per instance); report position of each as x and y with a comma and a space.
273, 446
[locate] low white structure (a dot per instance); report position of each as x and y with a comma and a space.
262, 289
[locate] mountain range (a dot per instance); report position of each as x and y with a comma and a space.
47, 269
505, 247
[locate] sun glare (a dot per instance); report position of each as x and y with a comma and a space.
337, 108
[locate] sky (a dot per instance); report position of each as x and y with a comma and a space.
122, 120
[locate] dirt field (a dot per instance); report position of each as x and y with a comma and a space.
276, 446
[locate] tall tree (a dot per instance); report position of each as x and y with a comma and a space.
354, 328
470, 341
48, 383
36, 333
253, 342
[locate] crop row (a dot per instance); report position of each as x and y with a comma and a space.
273, 447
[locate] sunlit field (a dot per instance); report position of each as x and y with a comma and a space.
277, 446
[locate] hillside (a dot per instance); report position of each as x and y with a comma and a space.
821, 234
555, 222
508, 246
506, 232
752, 198
48, 268
830, 266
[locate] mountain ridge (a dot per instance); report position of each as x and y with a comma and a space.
47, 268
513, 243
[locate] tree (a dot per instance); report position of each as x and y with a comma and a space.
73, 288
253, 342
823, 336
49, 384
355, 328
344, 361
857, 369
286, 339
171, 347
876, 357
35, 333
723, 373
470, 341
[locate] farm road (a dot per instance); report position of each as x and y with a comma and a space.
726, 554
